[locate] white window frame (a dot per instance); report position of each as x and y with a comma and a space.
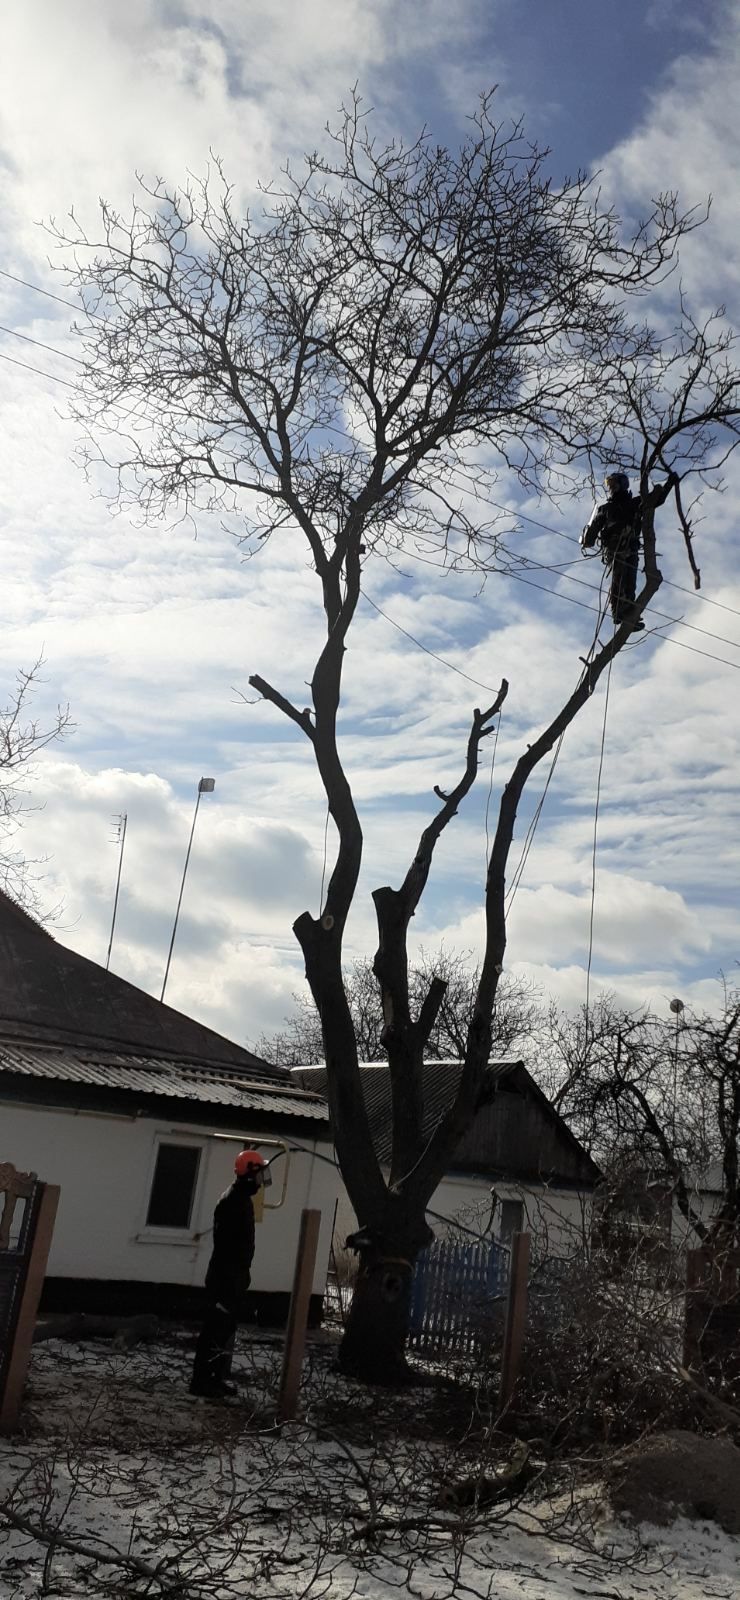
148, 1232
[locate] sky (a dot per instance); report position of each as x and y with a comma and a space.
151, 633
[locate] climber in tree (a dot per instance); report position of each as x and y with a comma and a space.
616, 524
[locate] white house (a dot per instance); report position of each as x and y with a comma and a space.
137, 1112
518, 1166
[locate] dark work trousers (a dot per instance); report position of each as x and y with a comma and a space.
215, 1347
623, 566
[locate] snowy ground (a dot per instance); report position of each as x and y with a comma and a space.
120, 1484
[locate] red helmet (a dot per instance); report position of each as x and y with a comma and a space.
250, 1164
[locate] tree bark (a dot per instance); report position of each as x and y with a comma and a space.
373, 1348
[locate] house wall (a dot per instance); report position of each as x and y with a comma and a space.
705, 1205
557, 1218
104, 1165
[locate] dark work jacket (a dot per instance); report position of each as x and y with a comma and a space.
617, 522
227, 1278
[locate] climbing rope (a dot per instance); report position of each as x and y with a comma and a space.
534, 821
594, 843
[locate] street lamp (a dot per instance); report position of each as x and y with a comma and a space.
206, 786
677, 1007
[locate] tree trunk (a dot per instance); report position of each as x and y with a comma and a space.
374, 1343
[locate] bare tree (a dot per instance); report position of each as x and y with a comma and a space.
331, 366
515, 1019
658, 1099
21, 739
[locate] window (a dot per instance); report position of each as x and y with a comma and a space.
173, 1186
512, 1217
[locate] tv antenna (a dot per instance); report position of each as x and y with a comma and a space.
119, 838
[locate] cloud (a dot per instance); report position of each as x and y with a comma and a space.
148, 632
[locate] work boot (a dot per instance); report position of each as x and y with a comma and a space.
637, 627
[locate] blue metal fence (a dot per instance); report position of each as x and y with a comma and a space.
455, 1291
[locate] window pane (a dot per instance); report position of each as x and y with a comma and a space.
512, 1217
171, 1199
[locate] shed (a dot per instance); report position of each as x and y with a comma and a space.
518, 1161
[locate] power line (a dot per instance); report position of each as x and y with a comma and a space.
534, 820
595, 836
38, 370
571, 601
425, 648
15, 334
502, 572
543, 566
573, 539
461, 472
47, 292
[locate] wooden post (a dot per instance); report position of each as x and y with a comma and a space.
300, 1299
15, 1379
516, 1316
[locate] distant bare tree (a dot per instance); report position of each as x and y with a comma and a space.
516, 1017
333, 368
21, 739
657, 1097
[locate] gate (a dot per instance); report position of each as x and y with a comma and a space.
457, 1291
25, 1237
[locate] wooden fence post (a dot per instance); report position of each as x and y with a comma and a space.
15, 1379
516, 1316
300, 1299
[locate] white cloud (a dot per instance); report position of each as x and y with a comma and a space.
147, 632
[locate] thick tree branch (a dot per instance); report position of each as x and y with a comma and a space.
301, 718
441, 1146
404, 1040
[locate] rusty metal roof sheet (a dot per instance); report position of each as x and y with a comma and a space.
171, 1079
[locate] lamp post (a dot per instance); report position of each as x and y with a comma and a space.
206, 786
677, 1007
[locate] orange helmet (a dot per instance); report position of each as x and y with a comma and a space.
250, 1164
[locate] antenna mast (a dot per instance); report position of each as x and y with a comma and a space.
120, 839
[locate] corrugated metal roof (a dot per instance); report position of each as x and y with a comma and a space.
50, 995
515, 1131
172, 1079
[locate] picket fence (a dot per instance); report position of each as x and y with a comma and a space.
457, 1291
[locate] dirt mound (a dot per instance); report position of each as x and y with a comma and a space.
678, 1474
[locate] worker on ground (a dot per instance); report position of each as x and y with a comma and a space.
228, 1277
617, 524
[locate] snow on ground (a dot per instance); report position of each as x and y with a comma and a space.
119, 1483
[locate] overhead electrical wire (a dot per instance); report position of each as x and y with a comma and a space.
38, 370
573, 539
450, 664
14, 278
501, 572
535, 818
461, 472
16, 334
517, 576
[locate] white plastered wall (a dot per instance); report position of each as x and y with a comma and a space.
104, 1166
558, 1219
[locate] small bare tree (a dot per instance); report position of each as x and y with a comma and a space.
21, 739
331, 366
